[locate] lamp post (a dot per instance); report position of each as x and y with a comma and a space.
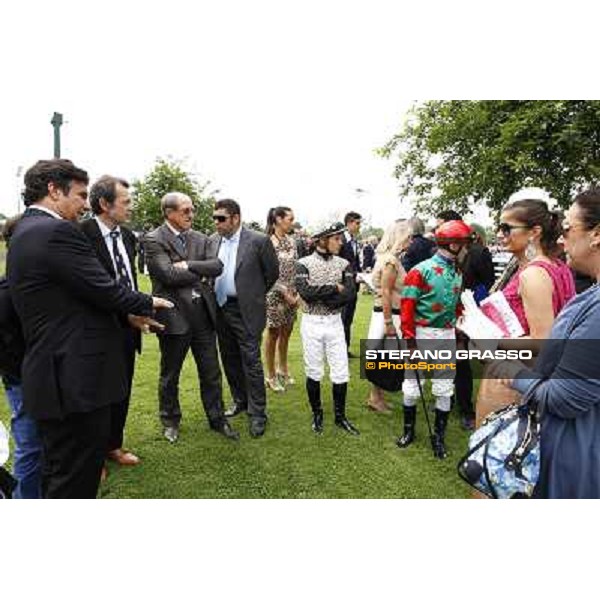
56, 122
19, 187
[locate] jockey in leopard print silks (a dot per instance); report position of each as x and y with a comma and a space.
429, 307
326, 283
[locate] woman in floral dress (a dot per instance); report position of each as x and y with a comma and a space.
282, 299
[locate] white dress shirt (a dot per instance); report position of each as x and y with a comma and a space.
105, 232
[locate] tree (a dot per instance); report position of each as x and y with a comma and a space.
452, 154
169, 175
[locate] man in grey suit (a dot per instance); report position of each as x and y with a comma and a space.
182, 264
250, 268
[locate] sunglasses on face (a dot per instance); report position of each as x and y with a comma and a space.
506, 228
220, 218
187, 211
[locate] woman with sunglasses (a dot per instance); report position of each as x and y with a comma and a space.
568, 397
536, 283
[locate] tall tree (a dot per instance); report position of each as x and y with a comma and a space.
170, 175
451, 154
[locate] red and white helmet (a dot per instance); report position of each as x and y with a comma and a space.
453, 232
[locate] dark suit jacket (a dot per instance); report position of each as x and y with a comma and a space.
353, 258
68, 307
92, 231
256, 271
420, 249
162, 249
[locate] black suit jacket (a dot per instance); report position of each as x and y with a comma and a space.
68, 306
256, 271
353, 258
162, 250
92, 231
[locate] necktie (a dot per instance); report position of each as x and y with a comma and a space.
181, 238
122, 274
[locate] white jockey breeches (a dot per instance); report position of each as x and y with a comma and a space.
323, 339
442, 381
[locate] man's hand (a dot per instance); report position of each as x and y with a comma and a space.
181, 265
144, 324
161, 303
340, 288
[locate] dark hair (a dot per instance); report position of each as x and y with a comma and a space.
105, 187
231, 206
9, 227
536, 212
449, 215
278, 211
59, 171
588, 202
351, 216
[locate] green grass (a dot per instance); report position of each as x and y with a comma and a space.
289, 461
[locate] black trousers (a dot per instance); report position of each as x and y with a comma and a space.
201, 338
240, 354
74, 449
119, 410
463, 386
348, 316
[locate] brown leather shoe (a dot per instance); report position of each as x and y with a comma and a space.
124, 457
103, 474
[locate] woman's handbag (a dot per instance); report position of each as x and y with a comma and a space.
503, 460
389, 379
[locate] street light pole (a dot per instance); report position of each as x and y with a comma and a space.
56, 122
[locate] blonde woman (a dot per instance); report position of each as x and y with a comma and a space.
388, 278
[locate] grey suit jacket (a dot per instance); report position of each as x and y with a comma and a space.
257, 269
162, 250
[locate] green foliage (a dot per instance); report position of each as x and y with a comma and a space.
451, 154
169, 175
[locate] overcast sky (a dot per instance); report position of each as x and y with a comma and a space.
274, 102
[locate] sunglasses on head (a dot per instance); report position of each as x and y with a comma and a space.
506, 228
220, 218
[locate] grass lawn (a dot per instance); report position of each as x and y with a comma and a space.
289, 461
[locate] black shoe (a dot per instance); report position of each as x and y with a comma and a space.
235, 409
171, 433
227, 431
344, 424
439, 449
407, 438
257, 428
410, 419
317, 422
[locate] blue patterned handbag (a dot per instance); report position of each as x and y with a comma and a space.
503, 460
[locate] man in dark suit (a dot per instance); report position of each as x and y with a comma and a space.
350, 251
420, 248
250, 268
182, 264
115, 247
68, 306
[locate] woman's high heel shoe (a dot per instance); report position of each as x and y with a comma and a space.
273, 384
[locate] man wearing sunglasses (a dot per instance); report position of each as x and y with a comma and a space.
250, 268
182, 263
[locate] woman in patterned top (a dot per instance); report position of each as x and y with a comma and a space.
388, 278
282, 299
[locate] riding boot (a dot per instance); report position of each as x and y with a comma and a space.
339, 408
441, 420
313, 389
410, 419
